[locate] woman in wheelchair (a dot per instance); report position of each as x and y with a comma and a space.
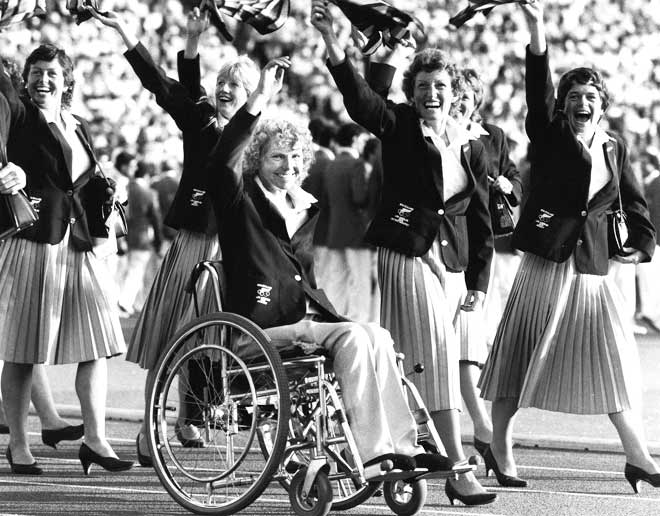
265, 226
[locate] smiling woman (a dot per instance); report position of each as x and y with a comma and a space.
432, 226
59, 309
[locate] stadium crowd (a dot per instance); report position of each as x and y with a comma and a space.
620, 38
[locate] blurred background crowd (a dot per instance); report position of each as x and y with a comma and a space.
620, 38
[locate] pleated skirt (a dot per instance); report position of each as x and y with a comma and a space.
420, 306
168, 306
563, 344
56, 305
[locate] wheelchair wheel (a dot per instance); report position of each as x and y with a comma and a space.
405, 497
222, 375
347, 491
315, 503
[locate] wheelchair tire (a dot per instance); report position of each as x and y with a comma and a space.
226, 392
319, 500
405, 497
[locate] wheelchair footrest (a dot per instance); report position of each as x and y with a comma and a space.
395, 474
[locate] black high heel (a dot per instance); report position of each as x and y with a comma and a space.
481, 447
4, 429
473, 499
23, 469
144, 460
504, 480
634, 475
88, 457
68, 433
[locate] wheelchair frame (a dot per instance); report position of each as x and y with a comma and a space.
304, 440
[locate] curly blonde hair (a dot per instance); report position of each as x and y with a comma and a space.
285, 131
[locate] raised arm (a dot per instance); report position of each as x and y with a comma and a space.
540, 92
188, 60
365, 106
170, 94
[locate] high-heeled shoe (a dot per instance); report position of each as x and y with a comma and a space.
144, 460
23, 469
503, 479
68, 433
634, 475
481, 447
4, 429
473, 499
88, 457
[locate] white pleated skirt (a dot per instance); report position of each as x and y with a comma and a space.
420, 306
56, 305
563, 343
168, 306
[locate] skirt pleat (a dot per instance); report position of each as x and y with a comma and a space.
562, 344
420, 303
56, 306
168, 306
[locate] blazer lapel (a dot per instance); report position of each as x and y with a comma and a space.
467, 192
435, 164
271, 217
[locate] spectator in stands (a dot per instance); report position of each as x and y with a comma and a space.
432, 226
563, 343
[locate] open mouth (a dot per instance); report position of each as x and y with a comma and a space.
582, 117
224, 98
432, 105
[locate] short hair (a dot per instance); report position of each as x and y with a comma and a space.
12, 70
372, 146
472, 82
123, 159
322, 130
284, 130
430, 60
585, 76
48, 52
244, 70
347, 133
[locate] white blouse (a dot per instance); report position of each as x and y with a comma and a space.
600, 173
80, 160
454, 176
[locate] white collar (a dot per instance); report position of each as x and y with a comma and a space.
476, 129
67, 118
456, 133
348, 150
301, 199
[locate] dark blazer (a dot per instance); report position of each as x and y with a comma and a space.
557, 220
59, 202
269, 275
196, 117
501, 163
412, 212
345, 199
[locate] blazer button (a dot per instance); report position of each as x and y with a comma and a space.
580, 242
297, 277
69, 193
441, 211
72, 220
444, 243
583, 213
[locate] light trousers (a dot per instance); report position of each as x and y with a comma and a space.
371, 388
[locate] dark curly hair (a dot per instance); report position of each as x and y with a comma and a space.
586, 76
48, 52
431, 60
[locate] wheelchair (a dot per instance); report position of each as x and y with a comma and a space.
266, 415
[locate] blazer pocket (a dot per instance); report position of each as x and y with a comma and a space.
404, 228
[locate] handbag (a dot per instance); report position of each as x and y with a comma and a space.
617, 228
16, 211
501, 214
